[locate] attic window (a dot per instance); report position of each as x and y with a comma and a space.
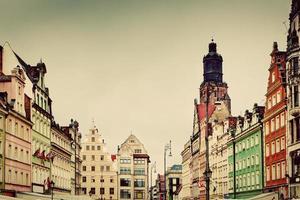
131, 141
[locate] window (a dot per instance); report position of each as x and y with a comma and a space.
269, 103
257, 178
278, 96
256, 140
283, 169
125, 161
125, 194
282, 143
93, 180
273, 77
277, 145
92, 191
268, 173
107, 168
138, 151
274, 100
273, 172
93, 157
125, 182
98, 147
124, 170
296, 96
139, 183
282, 119
93, 168
93, 139
139, 194
87, 147
139, 171
93, 148
83, 168
83, 190
84, 157
267, 149
139, 161
257, 159
84, 179
277, 122
272, 125
278, 171
102, 191
101, 168
111, 191
273, 148
267, 128
102, 157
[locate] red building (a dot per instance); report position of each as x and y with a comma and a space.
275, 125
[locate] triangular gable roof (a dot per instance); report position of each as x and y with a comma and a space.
137, 142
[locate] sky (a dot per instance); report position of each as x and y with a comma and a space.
135, 66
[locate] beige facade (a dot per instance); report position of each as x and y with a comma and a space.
99, 168
133, 163
185, 192
61, 161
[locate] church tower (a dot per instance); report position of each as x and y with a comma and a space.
213, 78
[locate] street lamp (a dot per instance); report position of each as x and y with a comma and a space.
153, 166
168, 147
52, 186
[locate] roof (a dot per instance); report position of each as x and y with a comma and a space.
201, 108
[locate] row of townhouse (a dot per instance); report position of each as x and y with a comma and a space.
257, 153
37, 155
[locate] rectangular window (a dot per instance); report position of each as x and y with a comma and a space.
87, 147
111, 191
101, 157
98, 147
267, 128
84, 179
278, 96
93, 157
273, 148
93, 139
272, 125
125, 170
277, 145
282, 146
83, 168
267, 149
125, 161
83, 157
274, 100
278, 171
93, 168
268, 173
277, 122
93, 191
273, 172
283, 169
282, 120
269, 103
125, 182
139, 183
296, 96
93, 147
102, 191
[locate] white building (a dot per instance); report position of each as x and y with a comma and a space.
133, 163
99, 168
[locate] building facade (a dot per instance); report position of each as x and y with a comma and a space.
73, 131
17, 142
60, 160
99, 168
246, 153
3, 114
133, 164
174, 181
275, 125
186, 173
293, 111
213, 90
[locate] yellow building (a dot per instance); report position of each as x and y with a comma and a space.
99, 170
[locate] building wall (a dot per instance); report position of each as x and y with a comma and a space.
99, 171
61, 161
185, 192
133, 164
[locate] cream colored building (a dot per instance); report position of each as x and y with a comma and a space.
99, 168
61, 160
185, 192
218, 151
133, 163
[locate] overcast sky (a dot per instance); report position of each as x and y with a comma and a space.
137, 65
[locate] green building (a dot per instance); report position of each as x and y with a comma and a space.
245, 149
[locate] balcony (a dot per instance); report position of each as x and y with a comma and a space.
295, 111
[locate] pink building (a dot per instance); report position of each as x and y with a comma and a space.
18, 125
